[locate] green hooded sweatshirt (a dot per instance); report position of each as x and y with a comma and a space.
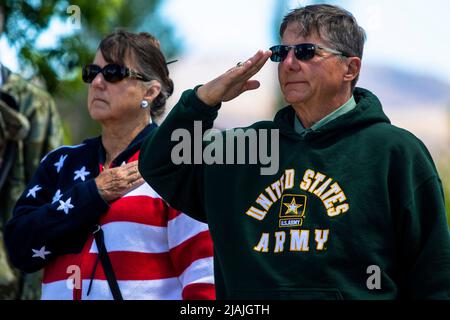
355, 211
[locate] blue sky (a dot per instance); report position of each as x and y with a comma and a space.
408, 34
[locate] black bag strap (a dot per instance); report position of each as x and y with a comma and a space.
107, 266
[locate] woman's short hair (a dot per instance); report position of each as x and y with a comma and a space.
142, 49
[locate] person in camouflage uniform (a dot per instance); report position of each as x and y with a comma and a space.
30, 127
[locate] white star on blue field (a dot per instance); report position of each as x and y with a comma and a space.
60, 163
65, 206
81, 174
57, 196
41, 253
32, 191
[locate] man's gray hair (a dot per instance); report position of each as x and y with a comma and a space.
335, 25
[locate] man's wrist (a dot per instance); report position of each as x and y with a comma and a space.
202, 95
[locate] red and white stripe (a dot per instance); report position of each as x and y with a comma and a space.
156, 252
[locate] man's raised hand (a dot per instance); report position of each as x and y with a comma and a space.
233, 82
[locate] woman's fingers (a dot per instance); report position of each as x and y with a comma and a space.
133, 185
130, 166
115, 182
134, 176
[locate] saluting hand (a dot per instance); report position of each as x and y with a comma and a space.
233, 82
115, 182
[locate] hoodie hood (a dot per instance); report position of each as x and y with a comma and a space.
368, 111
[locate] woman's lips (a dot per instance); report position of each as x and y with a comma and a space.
98, 99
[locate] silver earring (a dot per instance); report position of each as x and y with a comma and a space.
144, 104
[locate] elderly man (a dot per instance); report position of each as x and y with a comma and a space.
356, 208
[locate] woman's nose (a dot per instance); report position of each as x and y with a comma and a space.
99, 80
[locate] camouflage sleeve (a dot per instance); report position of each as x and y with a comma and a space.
46, 131
45, 134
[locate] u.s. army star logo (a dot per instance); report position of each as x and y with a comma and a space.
292, 210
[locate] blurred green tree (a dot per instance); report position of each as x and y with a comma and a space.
58, 66
25, 20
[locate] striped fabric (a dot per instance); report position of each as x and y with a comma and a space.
156, 252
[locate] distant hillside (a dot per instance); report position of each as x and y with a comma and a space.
397, 88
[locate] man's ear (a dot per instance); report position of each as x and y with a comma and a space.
353, 65
153, 90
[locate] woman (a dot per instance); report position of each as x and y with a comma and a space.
89, 219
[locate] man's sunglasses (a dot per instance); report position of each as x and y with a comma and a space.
111, 72
303, 51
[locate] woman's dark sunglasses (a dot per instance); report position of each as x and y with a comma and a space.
111, 72
303, 51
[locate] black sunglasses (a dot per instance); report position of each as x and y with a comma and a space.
111, 72
303, 51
